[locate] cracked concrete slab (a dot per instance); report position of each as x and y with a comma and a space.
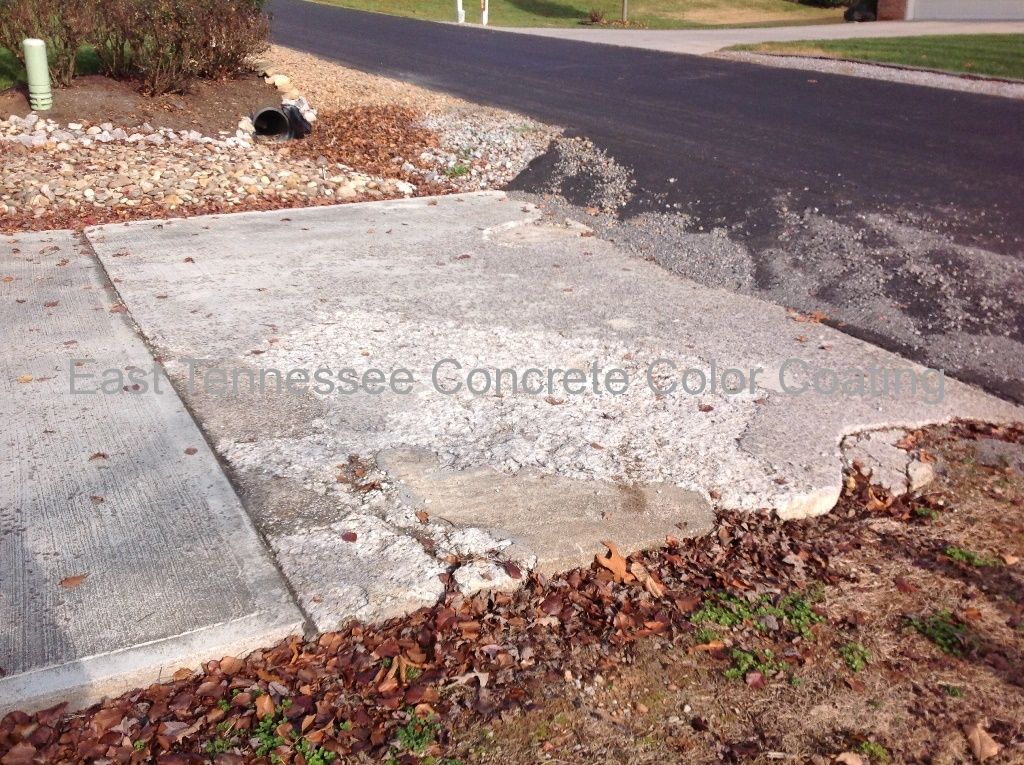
880, 455
488, 283
124, 551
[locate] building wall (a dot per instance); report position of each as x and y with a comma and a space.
965, 10
892, 10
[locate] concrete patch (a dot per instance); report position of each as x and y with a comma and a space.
124, 552
554, 523
506, 474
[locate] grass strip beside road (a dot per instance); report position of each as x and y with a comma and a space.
651, 14
991, 55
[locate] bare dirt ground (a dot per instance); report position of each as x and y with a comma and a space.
211, 108
887, 631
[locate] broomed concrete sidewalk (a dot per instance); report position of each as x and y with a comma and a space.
124, 552
704, 41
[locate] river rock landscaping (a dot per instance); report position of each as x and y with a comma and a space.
71, 174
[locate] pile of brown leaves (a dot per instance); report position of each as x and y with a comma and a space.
376, 140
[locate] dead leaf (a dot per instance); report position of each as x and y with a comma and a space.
349, 536
51, 304
191, 450
714, 645
422, 516
8, 279
614, 562
230, 665
23, 753
904, 586
99, 456
982, 745
264, 706
1010, 560
25, 378
849, 758
73, 581
754, 680
652, 585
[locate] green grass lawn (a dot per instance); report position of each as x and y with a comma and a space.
654, 14
994, 55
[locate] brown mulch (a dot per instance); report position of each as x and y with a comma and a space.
511, 677
210, 108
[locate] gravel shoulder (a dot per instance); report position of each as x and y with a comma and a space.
905, 75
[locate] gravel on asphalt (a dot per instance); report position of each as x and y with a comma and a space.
909, 76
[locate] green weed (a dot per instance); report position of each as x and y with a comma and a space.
943, 630
750, 661
874, 751
855, 655
971, 558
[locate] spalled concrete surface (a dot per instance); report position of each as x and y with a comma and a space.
341, 483
702, 41
823, 192
124, 552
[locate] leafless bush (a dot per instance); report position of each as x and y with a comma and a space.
174, 42
114, 22
166, 44
65, 26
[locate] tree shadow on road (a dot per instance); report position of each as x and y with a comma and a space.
548, 9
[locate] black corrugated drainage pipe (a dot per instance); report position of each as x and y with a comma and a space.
272, 124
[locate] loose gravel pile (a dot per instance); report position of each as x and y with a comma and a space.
579, 172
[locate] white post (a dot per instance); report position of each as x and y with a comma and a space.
483, 12
460, 13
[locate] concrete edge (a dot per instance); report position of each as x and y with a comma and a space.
89, 680
402, 202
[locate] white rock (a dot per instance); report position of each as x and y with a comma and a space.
484, 575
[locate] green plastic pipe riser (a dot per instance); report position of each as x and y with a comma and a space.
40, 96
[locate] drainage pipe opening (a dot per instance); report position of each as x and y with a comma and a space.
272, 124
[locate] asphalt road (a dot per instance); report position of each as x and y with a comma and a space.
749, 145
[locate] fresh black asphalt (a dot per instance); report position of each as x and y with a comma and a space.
738, 137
